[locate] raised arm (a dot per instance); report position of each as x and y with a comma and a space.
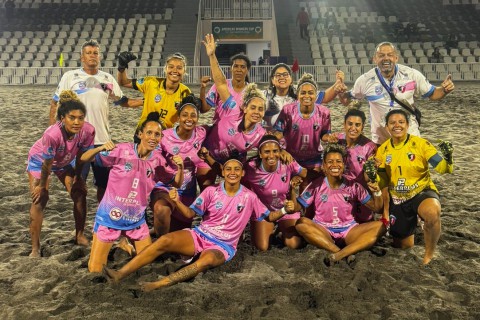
218, 76
88, 155
445, 88
376, 202
122, 64
186, 211
203, 95
179, 175
337, 88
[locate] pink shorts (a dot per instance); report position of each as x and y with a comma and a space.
162, 193
337, 233
106, 234
201, 243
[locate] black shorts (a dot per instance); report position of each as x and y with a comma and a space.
403, 217
100, 176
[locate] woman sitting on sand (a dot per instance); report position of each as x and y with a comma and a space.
359, 150
184, 140
226, 209
269, 178
334, 199
404, 161
134, 170
57, 151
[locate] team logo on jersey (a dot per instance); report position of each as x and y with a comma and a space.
295, 127
360, 159
410, 156
240, 207
82, 85
306, 195
128, 166
149, 172
61, 148
50, 150
248, 144
104, 153
378, 90
392, 219
316, 127
175, 150
388, 160
262, 183
198, 202
284, 178
346, 197
196, 145
231, 132
140, 81
218, 205
115, 214
324, 197
158, 98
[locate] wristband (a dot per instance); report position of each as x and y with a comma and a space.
283, 211
385, 222
377, 193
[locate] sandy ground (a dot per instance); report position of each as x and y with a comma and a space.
384, 283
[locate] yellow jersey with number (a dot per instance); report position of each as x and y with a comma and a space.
404, 167
157, 99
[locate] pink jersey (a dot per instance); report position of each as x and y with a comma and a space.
213, 99
356, 157
225, 217
303, 136
55, 144
271, 187
171, 144
129, 185
225, 139
334, 208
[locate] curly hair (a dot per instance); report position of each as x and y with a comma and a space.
251, 91
334, 148
68, 102
307, 78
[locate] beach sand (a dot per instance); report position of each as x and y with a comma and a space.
384, 283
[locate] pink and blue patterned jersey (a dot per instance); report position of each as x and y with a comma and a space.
129, 185
225, 217
271, 187
334, 208
55, 145
225, 139
171, 144
303, 136
213, 100
356, 157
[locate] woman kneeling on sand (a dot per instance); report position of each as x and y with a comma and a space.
334, 199
226, 209
57, 151
135, 169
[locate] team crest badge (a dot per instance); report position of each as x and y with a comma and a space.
196, 145
410, 156
61, 149
307, 195
378, 90
218, 205
240, 207
248, 144
175, 150
324, 197
346, 197
231, 132
115, 214
295, 127
388, 160
149, 172
82, 85
198, 202
316, 127
360, 159
261, 183
128, 166
284, 178
158, 98
392, 219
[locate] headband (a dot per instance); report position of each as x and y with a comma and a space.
245, 103
232, 159
187, 104
309, 82
268, 141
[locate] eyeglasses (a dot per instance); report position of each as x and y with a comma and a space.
281, 75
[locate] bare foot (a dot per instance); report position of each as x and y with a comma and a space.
111, 275
126, 246
426, 260
81, 240
35, 253
148, 286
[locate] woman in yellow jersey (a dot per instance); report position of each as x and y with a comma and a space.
404, 161
160, 94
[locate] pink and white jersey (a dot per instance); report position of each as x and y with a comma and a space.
94, 91
225, 139
271, 187
213, 100
171, 144
55, 145
129, 186
356, 157
334, 208
407, 84
225, 217
303, 136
